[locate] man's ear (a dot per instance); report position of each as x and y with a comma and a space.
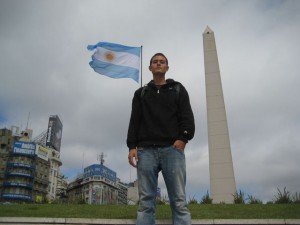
150, 68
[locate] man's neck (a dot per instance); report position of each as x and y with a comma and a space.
159, 80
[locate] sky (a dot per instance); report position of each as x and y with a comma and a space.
44, 70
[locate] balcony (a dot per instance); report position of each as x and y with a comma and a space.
16, 184
22, 165
22, 174
16, 196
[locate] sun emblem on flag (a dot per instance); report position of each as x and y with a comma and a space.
109, 56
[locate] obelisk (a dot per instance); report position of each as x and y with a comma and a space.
222, 182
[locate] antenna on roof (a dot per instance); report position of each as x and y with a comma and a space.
27, 121
100, 158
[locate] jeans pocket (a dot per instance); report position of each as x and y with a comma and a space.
178, 150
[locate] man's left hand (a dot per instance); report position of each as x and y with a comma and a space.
179, 144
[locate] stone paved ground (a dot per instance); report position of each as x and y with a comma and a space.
82, 221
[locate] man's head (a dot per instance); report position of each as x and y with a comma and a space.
159, 64
159, 54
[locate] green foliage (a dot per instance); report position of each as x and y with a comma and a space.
160, 202
296, 198
283, 197
239, 197
81, 201
193, 201
206, 199
253, 200
163, 201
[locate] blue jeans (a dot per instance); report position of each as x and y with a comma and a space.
171, 162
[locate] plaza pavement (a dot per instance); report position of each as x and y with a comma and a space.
85, 221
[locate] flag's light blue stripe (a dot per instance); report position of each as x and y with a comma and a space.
116, 47
114, 71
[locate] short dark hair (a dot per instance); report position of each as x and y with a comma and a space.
160, 55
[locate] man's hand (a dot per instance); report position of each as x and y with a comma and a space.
179, 144
133, 157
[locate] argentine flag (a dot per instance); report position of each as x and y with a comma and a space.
115, 60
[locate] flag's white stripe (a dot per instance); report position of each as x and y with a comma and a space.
120, 58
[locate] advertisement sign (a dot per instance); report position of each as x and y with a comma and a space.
42, 152
20, 174
18, 196
96, 196
100, 170
20, 165
15, 184
54, 133
24, 148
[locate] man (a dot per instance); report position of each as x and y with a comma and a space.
161, 124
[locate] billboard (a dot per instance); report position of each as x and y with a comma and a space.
24, 148
42, 152
100, 170
54, 132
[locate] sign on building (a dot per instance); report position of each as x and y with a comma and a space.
100, 170
54, 133
24, 148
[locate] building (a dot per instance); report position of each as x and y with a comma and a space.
51, 140
75, 190
133, 193
61, 188
54, 175
222, 181
41, 176
97, 185
29, 169
24, 175
122, 192
6, 141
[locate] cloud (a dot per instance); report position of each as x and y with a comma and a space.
45, 71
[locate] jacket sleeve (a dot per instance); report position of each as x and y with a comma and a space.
134, 122
185, 116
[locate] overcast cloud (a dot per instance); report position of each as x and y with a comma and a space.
44, 70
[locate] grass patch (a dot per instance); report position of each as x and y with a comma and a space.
215, 211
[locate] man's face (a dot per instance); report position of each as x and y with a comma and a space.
159, 65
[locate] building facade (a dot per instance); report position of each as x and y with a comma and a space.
24, 175
133, 193
97, 185
54, 175
122, 192
75, 190
6, 141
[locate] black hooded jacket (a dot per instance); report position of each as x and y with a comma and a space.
159, 117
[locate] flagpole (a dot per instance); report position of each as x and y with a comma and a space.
141, 65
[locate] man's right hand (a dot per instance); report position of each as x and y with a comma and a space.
133, 157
